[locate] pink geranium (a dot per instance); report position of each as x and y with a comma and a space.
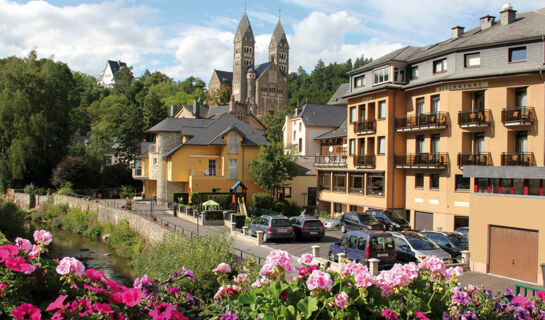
541, 295
319, 280
70, 265
58, 303
27, 311
227, 291
277, 258
243, 277
341, 300
8, 250
2, 287
34, 252
166, 311
94, 275
433, 264
42, 236
103, 308
222, 267
85, 307
19, 264
132, 297
421, 315
23, 244
306, 259
389, 314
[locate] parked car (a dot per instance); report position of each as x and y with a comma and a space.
360, 221
410, 245
452, 242
273, 227
392, 219
332, 223
463, 230
306, 227
361, 246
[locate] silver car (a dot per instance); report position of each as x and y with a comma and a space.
411, 247
333, 223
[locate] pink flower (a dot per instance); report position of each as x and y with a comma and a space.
58, 303
306, 259
341, 299
85, 307
174, 290
132, 297
222, 267
94, 275
95, 289
42, 236
259, 282
243, 277
277, 258
319, 280
19, 264
541, 295
2, 287
8, 250
421, 315
23, 244
166, 311
302, 272
34, 252
227, 290
68, 265
433, 264
27, 311
389, 314
457, 271
103, 308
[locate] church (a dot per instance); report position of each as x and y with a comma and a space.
261, 88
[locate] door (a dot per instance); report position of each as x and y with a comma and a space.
362, 113
352, 252
478, 143
435, 138
522, 142
311, 196
435, 104
423, 220
420, 144
403, 250
520, 97
513, 253
478, 101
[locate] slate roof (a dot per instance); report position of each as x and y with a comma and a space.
225, 77
322, 115
336, 98
116, 65
144, 149
260, 69
244, 26
279, 33
335, 133
305, 166
174, 124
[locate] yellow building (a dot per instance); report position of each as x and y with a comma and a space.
424, 122
199, 155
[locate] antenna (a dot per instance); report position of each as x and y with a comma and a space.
279, 12
244, 6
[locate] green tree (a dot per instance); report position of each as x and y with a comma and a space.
274, 123
273, 168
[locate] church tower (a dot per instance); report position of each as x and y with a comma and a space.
279, 48
243, 58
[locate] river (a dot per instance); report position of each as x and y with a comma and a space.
93, 254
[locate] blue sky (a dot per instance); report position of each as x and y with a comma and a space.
183, 38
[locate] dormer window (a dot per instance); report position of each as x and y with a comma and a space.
359, 81
382, 75
414, 72
399, 74
440, 66
472, 60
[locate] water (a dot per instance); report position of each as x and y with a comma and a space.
93, 254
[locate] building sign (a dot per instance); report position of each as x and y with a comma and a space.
462, 86
366, 99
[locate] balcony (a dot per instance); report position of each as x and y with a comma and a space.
422, 161
474, 119
203, 173
365, 161
330, 161
423, 121
474, 159
365, 127
139, 174
523, 159
519, 116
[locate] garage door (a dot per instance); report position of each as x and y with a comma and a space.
423, 220
513, 253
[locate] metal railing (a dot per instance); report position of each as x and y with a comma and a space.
426, 160
367, 161
422, 121
518, 116
330, 161
365, 127
474, 159
525, 159
476, 118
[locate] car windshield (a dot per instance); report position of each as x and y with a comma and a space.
421, 243
459, 240
280, 223
316, 224
395, 217
365, 218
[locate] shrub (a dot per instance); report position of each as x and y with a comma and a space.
126, 242
262, 200
196, 198
294, 210
74, 170
66, 188
118, 175
213, 215
281, 206
181, 197
126, 191
30, 189
11, 220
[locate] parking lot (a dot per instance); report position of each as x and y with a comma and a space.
305, 246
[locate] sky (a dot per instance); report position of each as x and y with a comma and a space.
192, 38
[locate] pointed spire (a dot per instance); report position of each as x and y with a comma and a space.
278, 35
243, 27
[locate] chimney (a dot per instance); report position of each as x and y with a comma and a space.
507, 14
457, 32
196, 107
487, 21
172, 110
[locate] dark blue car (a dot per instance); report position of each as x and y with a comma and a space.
361, 246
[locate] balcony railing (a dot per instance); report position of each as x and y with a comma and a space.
474, 119
329, 150
524, 159
422, 160
365, 127
138, 173
423, 121
519, 116
364, 161
474, 159
203, 172
330, 161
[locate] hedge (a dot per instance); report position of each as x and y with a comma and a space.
213, 215
181, 197
263, 200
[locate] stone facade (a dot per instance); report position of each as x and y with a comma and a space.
166, 142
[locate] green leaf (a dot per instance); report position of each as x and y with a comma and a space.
308, 306
247, 298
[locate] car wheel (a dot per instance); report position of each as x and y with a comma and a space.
332, 256
265, 237
343, 229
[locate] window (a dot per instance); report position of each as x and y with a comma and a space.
356, 183
353, 208
520, 97
362, 244
434, 181
472, 60
216, 190
359, 81
420, 144
482, 185
478, 143
506, 185
375, 184
382, 75
300, 126
399, 74
414, 72
284, 192
300, 145
440, 66
522, 142
517, 54
381, 145
233, 143
294, 135
337, 207
233, 168
340, 182
419, 180
518, 186
353, 114
435, 138
382, 109
154, 161
352, 146
324, 180
420, 105
435, 103
533, 187
462, 183
212, 167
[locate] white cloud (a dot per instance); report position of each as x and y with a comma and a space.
84, 36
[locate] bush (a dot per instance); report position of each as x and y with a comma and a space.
126, 191
281, 206
118, 175
77, 221
11, 220
293, 210
181, 197
196, 198
75, 170
66, 189
126, 242
239, 219
30, 189
213, 215
263, 200
201, 256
